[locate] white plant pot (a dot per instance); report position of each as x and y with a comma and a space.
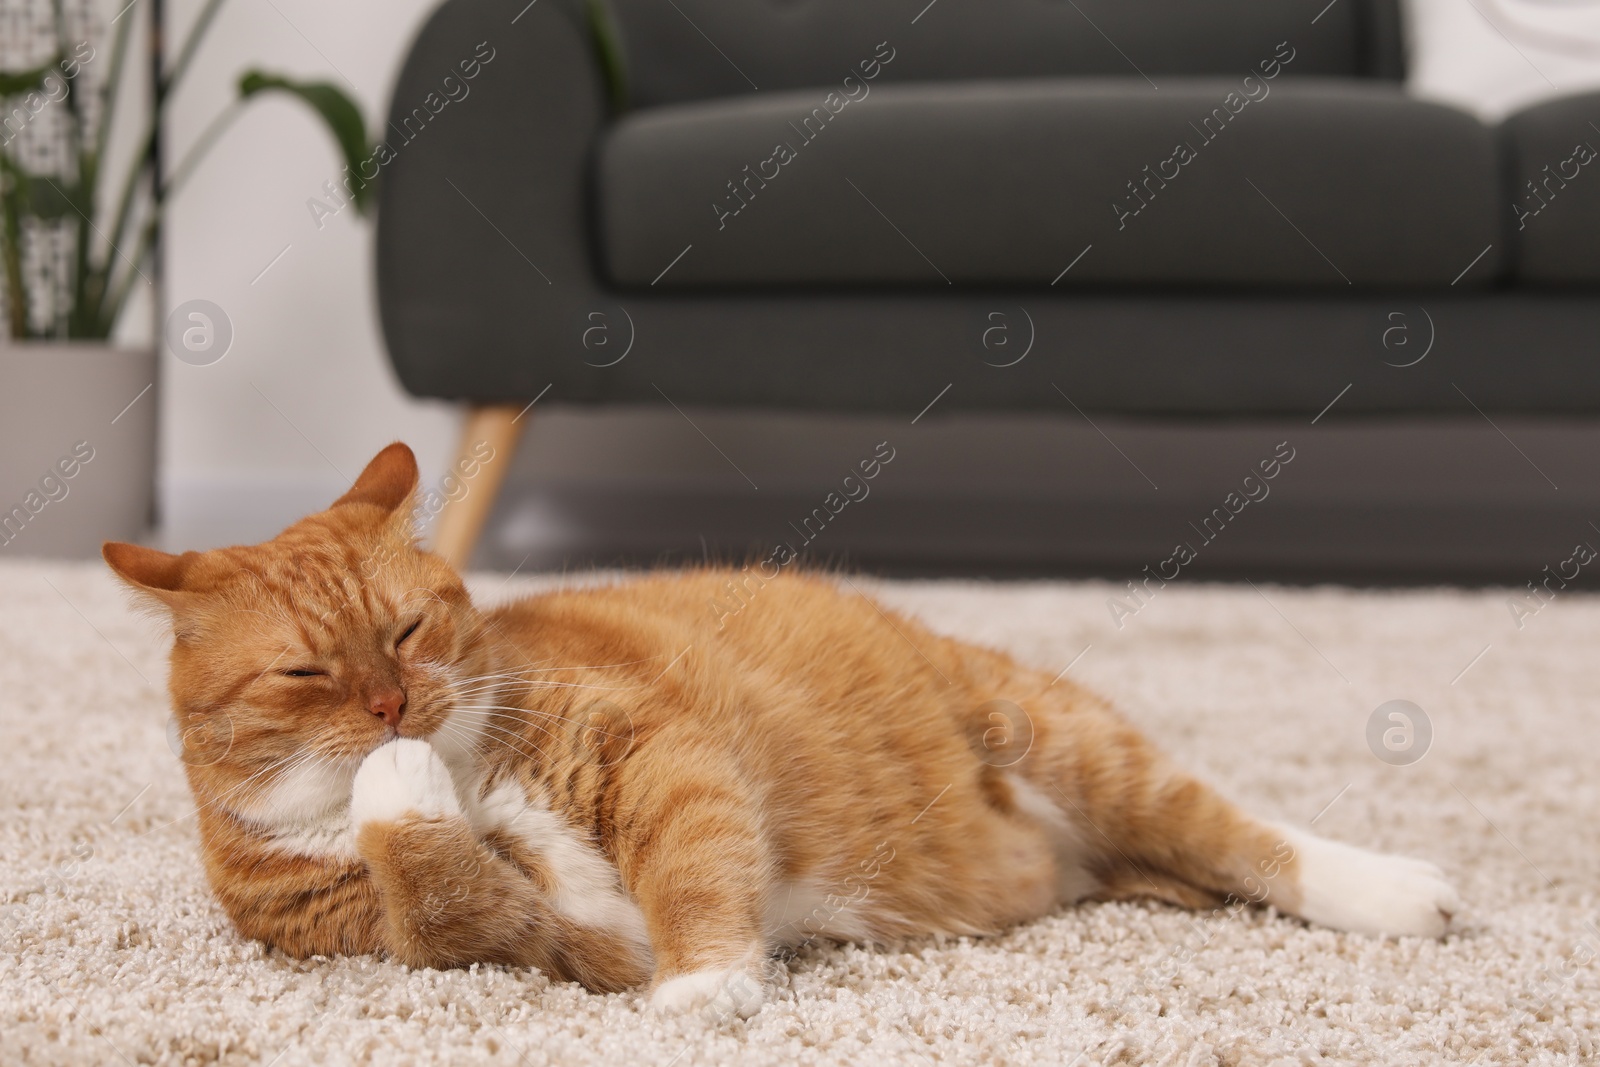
77, 447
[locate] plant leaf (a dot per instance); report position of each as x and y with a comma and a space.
337, 110
23, 81
608, 51
49, 200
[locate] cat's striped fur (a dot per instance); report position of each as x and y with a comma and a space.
621, 784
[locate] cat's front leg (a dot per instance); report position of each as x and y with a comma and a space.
701, 876
447, 898
402, 779
722, 990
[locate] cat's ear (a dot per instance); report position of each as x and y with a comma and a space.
388, 481
151, 572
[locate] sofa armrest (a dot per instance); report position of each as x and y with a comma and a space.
486, 269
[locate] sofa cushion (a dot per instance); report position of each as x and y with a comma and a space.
1553, 154
694, 49
1326, 183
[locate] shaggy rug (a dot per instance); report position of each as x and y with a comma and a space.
112, 951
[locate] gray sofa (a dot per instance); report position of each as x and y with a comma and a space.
1226, 208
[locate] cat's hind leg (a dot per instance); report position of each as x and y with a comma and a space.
1146, 823
1349, 888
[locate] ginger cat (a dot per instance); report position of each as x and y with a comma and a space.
625, 784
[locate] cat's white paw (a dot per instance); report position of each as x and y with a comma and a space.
722, 991
401, 778
1349, 888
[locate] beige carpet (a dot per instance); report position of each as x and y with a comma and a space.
111, 950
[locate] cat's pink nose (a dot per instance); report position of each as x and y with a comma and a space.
388, 704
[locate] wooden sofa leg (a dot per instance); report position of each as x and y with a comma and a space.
461, 521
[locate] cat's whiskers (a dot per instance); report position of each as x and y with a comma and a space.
513, 745
286, 762
525, 680
216, 801
265, 789
547, 684
349, 758
518, 744
476, 685
583, 667
488, 724
522, 675
515, 683
530, 712
530, 718
277, 805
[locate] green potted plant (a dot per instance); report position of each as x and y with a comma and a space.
74, 248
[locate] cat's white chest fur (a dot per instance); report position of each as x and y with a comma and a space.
586, 886
317, 812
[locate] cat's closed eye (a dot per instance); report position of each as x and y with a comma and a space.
408, 632
301, 672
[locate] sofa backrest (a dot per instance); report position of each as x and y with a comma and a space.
680, 50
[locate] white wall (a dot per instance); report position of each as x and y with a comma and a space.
1493, 57
306, 336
